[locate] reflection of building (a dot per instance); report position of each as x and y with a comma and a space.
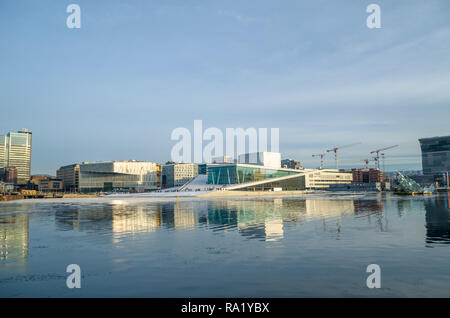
185, 215
437, 219
15, 151
139, 220
368, 206
70, 175
252, 218
118, 176
177, 174
328, 208
14, 240
435, 155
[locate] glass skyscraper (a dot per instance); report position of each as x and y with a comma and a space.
15, 151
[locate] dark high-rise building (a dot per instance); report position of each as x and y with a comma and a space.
435, 155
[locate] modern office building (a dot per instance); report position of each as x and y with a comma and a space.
15, 151
133, 176
177, 174
36, 179
51, 185
291, 164
261, 178
435, 155
266, 159
70, 176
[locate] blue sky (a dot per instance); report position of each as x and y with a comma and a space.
116, 88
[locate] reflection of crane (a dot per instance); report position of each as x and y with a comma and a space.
377, 157
335, 150
321, 155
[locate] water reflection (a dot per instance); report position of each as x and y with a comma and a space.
14, 237
267, 220
437, 219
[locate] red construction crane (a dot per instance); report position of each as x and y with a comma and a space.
335, 150
377, 157
321, 155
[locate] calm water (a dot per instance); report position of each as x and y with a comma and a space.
313, 246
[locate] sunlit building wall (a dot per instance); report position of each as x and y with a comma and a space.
70, 175
15, 151
175, 175
118, 176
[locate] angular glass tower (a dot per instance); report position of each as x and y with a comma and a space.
435, 155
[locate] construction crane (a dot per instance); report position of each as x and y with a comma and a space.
377, 156
367, 163
321, 155
335, 150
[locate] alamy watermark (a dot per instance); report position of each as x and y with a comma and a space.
74, 279
234, 141
373, 21
374, 279
73, 21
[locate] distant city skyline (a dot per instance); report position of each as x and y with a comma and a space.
116, 88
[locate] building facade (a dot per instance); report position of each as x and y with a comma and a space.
322, 179
266, 159
70, 176
177, 174
260, 178
130, 176
435, 155
15, 151
371, 175
223, 159
51, 185
8, 175
291, 164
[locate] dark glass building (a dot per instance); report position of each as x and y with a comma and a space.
435, 155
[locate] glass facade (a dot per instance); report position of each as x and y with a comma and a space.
237, 174
118, 176
15, 151
435, 155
